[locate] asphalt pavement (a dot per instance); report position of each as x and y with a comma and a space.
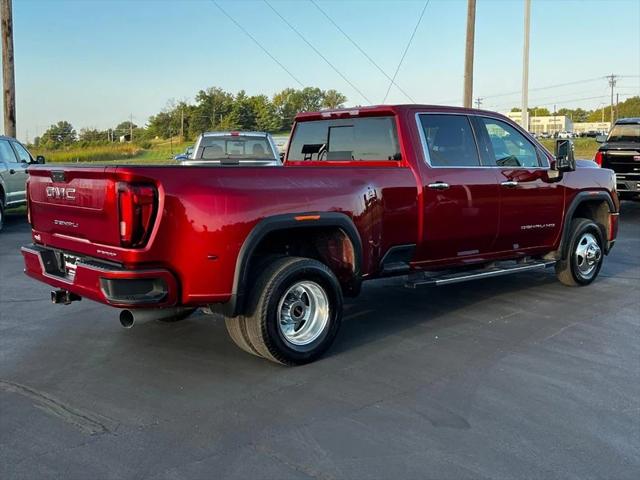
512, 377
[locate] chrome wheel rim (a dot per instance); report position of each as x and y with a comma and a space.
303, 313
588, 254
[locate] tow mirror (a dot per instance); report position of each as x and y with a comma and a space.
40, 160
565, 157
601, 138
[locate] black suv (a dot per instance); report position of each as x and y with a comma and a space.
620, 151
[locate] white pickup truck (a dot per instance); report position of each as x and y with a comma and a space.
234, 148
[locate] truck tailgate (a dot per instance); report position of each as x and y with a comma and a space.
76, 202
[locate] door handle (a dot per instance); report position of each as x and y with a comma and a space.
510, 184
438, 186
12, 171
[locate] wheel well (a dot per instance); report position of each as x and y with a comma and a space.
596, 210
327, 244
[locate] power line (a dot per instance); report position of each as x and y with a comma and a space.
353, 42
426, 4
317, 51
518, 92
548, 87
257, 42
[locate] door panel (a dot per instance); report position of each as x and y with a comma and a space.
462, 220
531, 210
531, 205
461, 197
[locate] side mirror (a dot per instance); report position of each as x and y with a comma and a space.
282, 156
601, 138
565, 157
40, 160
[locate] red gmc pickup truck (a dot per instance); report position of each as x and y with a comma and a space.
439, 194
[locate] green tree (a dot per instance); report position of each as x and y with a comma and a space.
266, 117
333, 99
211, 106
92, 135
58, 135
629, 108
535, 111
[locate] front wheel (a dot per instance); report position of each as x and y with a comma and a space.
294, 313
585, 254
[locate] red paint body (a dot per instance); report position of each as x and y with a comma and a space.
205, 214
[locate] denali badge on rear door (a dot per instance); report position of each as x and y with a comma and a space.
61, 193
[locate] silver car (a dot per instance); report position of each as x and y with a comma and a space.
234, 149
14, 160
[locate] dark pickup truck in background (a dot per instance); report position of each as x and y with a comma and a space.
440, 194
620, 151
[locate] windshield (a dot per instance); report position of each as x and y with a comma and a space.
236, 147
625, 133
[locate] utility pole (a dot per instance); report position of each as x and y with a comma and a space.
525, 66
612, 83
478, 102
617, 105
8, 74
182, 124
468, 54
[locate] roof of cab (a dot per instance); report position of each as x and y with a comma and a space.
378, 110
627, 121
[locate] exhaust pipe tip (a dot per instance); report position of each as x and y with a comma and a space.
127, 319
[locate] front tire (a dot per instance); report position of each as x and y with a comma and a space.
585, 254
294, 312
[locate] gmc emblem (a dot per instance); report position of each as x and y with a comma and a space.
61, 193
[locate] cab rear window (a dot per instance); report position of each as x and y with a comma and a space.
354, 139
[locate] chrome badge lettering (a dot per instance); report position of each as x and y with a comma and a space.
61, 193
537, 226
65, 223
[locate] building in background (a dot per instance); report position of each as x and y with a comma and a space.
547, 124
583, 127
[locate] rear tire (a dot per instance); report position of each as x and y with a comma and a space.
584, 256
294, 312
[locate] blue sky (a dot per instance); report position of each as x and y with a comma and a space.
95, 62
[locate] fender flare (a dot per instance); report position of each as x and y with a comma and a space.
580, 198
285, 222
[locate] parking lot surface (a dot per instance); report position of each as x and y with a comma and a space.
512, 377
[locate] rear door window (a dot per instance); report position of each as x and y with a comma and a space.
357, 139
450, 140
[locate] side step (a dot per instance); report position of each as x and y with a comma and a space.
467, 275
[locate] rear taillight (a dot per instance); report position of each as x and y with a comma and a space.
137, 205
598, 158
